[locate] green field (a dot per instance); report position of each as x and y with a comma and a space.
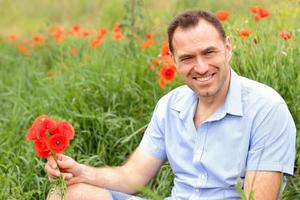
108, 93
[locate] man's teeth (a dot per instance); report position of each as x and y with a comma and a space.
203, 78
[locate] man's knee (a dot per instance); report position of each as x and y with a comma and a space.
82, 191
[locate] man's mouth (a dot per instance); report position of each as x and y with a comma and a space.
203, 78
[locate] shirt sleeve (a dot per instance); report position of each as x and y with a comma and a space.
272, 146
153, 141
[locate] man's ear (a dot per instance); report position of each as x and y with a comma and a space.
228, 47
173, 58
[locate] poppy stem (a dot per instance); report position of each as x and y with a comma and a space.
55, 158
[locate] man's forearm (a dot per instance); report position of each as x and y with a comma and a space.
113, 178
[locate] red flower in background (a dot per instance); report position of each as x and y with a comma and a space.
147, 44
75, 29
49, 136
73, 51
22, 48
263, 12
38, 39
149, 41
165, 50
12, 37
117, 32
162, 82
222, 15
254, 9
95, 43
244, 33
102, 32
167, 72
117, 28
285, 35
57, 33
118, 36
259, 12
149, 36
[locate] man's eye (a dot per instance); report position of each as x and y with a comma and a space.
208, 53
185, 59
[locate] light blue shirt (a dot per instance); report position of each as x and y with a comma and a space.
253, 130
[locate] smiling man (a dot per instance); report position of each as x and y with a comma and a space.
215, 129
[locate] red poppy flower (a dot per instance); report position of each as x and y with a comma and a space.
12, 37
117, 28
164, 50
32, 134
38, 39
147, 44
149, 35
41, 149
263, 12
95, 43
254, 9
73, 51
162, 83
285, 35
222, 15
167, 72
76, 28
57, 143
86, 33
50, 136
22, 48
167, 60
244, 33
45, 122
259, 12
64, 128
257, 17
118, 36
103, 31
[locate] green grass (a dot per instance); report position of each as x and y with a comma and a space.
109, 93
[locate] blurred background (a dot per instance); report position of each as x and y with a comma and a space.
103, 65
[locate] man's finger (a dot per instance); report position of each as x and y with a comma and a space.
72, 181
52, 162
66, 163
67, 176
51, 171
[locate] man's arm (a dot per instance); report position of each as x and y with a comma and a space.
139, 169
265, 185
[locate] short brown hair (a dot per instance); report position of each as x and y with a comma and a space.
190, 18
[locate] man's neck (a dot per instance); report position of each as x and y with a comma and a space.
206, 106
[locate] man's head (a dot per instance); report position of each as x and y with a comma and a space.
190, 19
201, 52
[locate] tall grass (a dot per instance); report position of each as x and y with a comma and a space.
109, 93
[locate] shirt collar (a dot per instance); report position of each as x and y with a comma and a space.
233, 102
232, 105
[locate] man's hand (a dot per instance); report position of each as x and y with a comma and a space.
65, 166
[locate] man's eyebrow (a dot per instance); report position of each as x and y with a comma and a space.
185, 56
211, 48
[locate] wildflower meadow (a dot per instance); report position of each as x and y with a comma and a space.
102, 66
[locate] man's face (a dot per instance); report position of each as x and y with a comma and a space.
202, 59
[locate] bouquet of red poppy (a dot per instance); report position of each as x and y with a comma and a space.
51, 137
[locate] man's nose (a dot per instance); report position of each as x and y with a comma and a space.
200, 66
